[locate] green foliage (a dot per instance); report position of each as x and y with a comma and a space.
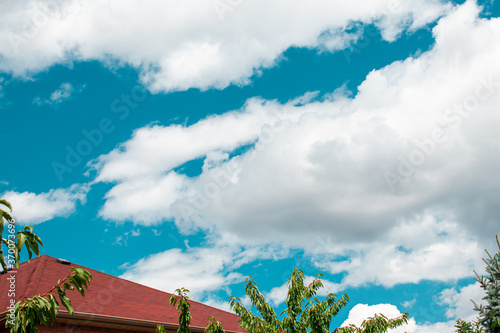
304, 312
180, 302
489, 314
3, 213
465, 327
15, 242
160, 329
269, 321
214, 326
376, 324
40, 309
43, 309
488, 320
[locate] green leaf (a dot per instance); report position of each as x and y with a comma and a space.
65, 301
6, 203
21, 239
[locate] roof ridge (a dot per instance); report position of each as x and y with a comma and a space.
36, 275
45, 259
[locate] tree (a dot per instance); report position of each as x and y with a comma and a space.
463, 326
376, 324
43, 309
303, 313
27, 314
16, 241
214, 326
488, 320
181, 303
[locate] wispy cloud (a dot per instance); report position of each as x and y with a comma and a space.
185, 59
202, 270
122, 239
63, 93
31, 208
1, 89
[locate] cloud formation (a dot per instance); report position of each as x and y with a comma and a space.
415, 152
361, 312
195, 44
202, 270
63, 93
459, 302
406, 143
31, 208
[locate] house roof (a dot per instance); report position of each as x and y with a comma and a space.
107, 296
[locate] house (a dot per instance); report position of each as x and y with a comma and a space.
111, 304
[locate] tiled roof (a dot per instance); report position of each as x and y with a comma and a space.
107, 295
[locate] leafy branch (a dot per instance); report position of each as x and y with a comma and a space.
43, 309
488, 320
304, 312
214, 325
376, 324
180, 302
16, 241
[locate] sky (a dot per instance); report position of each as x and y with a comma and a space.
197, 143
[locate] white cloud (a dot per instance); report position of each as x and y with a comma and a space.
201, 270
209, 136
434, 328
61, 94
64, 92
458, 306
217, 303
458, 302
277, 295
31, 208
319, 168
122, 239
180, 45
325, 164
361, 312
409, 303
422, 249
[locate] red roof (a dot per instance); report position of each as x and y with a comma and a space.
107, 295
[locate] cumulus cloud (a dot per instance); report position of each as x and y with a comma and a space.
361, 312
421, 249
31, 208
277, 295
417, 139
202, 270
400, 179
459, 302
199, 270
200, 44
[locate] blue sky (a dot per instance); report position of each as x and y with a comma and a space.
196, 144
